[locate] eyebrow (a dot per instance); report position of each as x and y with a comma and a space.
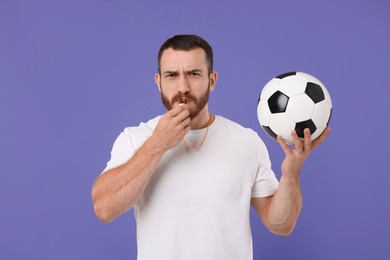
194, 70
168, 72
176, 72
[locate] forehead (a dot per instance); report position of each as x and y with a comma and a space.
173, 60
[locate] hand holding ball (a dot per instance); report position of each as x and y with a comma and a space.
294, 100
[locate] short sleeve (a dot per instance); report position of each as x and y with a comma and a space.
266, 182
121, 152
129, 141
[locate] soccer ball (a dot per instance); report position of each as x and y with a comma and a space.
294, 100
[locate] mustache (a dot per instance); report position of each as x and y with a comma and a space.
186, 95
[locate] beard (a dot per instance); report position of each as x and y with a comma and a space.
200, 102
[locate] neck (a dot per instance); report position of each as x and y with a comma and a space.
202, 120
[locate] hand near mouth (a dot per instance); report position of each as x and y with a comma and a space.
172, 127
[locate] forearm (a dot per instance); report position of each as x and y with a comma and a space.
117, 190
281, 211
285, 206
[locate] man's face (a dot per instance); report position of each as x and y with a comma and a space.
185, 78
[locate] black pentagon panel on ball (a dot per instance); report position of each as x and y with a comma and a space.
315, 92
277, 103
299, 127
268, 130
284, 75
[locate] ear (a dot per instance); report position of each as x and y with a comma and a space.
213, 80
157, 80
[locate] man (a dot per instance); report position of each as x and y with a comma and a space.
191, 176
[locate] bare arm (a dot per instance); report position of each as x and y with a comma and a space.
280, 212
117, 190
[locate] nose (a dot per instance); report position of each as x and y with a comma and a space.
183, 85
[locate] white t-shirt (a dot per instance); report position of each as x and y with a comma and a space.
197, 204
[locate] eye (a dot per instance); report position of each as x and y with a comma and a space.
170, 75
194, 74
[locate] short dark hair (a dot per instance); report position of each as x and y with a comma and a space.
187, 42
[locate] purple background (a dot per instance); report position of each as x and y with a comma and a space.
73, 74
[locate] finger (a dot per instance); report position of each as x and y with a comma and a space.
297, 141
183, 115
284, 145
321, 138
175, 111
177, 115
185, 123
307, 140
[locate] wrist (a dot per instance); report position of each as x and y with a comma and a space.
291, 178
291, 171
154, 145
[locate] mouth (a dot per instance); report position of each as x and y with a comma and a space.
183, 101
